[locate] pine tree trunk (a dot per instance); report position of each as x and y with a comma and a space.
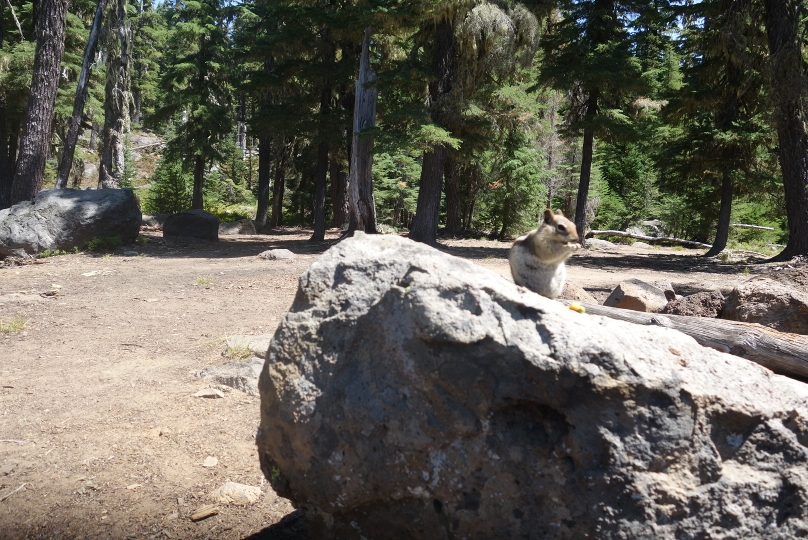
319, 193
5, 170
66, 163
361, 204
427, 211
425, 225
788, 89
197, 200
264, 157
117, 97
724, 215
276, 218
36, 127
586, 168
241, 134
321, 176
339, 194
454, 214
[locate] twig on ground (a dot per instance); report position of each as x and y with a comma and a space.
7, 495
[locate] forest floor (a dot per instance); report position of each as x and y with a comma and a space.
100, 435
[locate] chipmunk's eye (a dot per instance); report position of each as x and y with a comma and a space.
561, 228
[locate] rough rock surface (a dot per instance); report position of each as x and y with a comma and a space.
638, 296
667, 289
411, 394
241, 374
702, 304
277, 254
778, 300
597, 243
234, 493
573, 291
68, 218
244, 226
192, 224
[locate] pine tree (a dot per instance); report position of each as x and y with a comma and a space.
197, 86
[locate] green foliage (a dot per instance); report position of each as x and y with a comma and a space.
44, 254
631, 194
170, 190
108, 243
395, 180
15, 325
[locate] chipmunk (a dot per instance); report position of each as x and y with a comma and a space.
537, 258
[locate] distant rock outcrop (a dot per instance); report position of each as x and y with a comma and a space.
409, 394
637, 295
63, 219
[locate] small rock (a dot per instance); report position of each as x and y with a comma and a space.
203, 512
277, 254
573, 291
234, 493
211, 393
210, 461
597, 243
642, 245
244, 226
241, 375
173, 515
667, 288
637, 295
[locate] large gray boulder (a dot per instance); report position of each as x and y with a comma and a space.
411, 394
197, 224
67, 218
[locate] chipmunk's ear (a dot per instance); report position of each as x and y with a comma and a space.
548, 216
558, 212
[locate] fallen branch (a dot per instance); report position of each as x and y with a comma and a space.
146, 146
7, 495
781, 352
16, 20
645, 238
745, 226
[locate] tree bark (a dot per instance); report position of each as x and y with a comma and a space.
427, 210
197, 200
36, 128
5, 169
82, 87
321, 176
339, 193
586, 167
117, 97
724, 215
787, 87
454, 208
276, 218
264, 156
361, 204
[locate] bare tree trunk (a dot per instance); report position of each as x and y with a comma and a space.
117, 97
361, 204
586, 167
787, 74
264, 156
321, 176
36, 127
724, 215
276, 218
197, 200
425, 224
5, 169
66, 163
427, 211
339, 194
241, 134
454, 219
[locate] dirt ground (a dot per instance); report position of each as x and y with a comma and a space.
100, 435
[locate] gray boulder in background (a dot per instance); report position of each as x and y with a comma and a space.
64, 219
192, 224
410, 394
637, 295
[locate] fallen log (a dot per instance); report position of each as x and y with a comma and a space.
781, 352
747, 226
645, 238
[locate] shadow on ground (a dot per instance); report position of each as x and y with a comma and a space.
291, 527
